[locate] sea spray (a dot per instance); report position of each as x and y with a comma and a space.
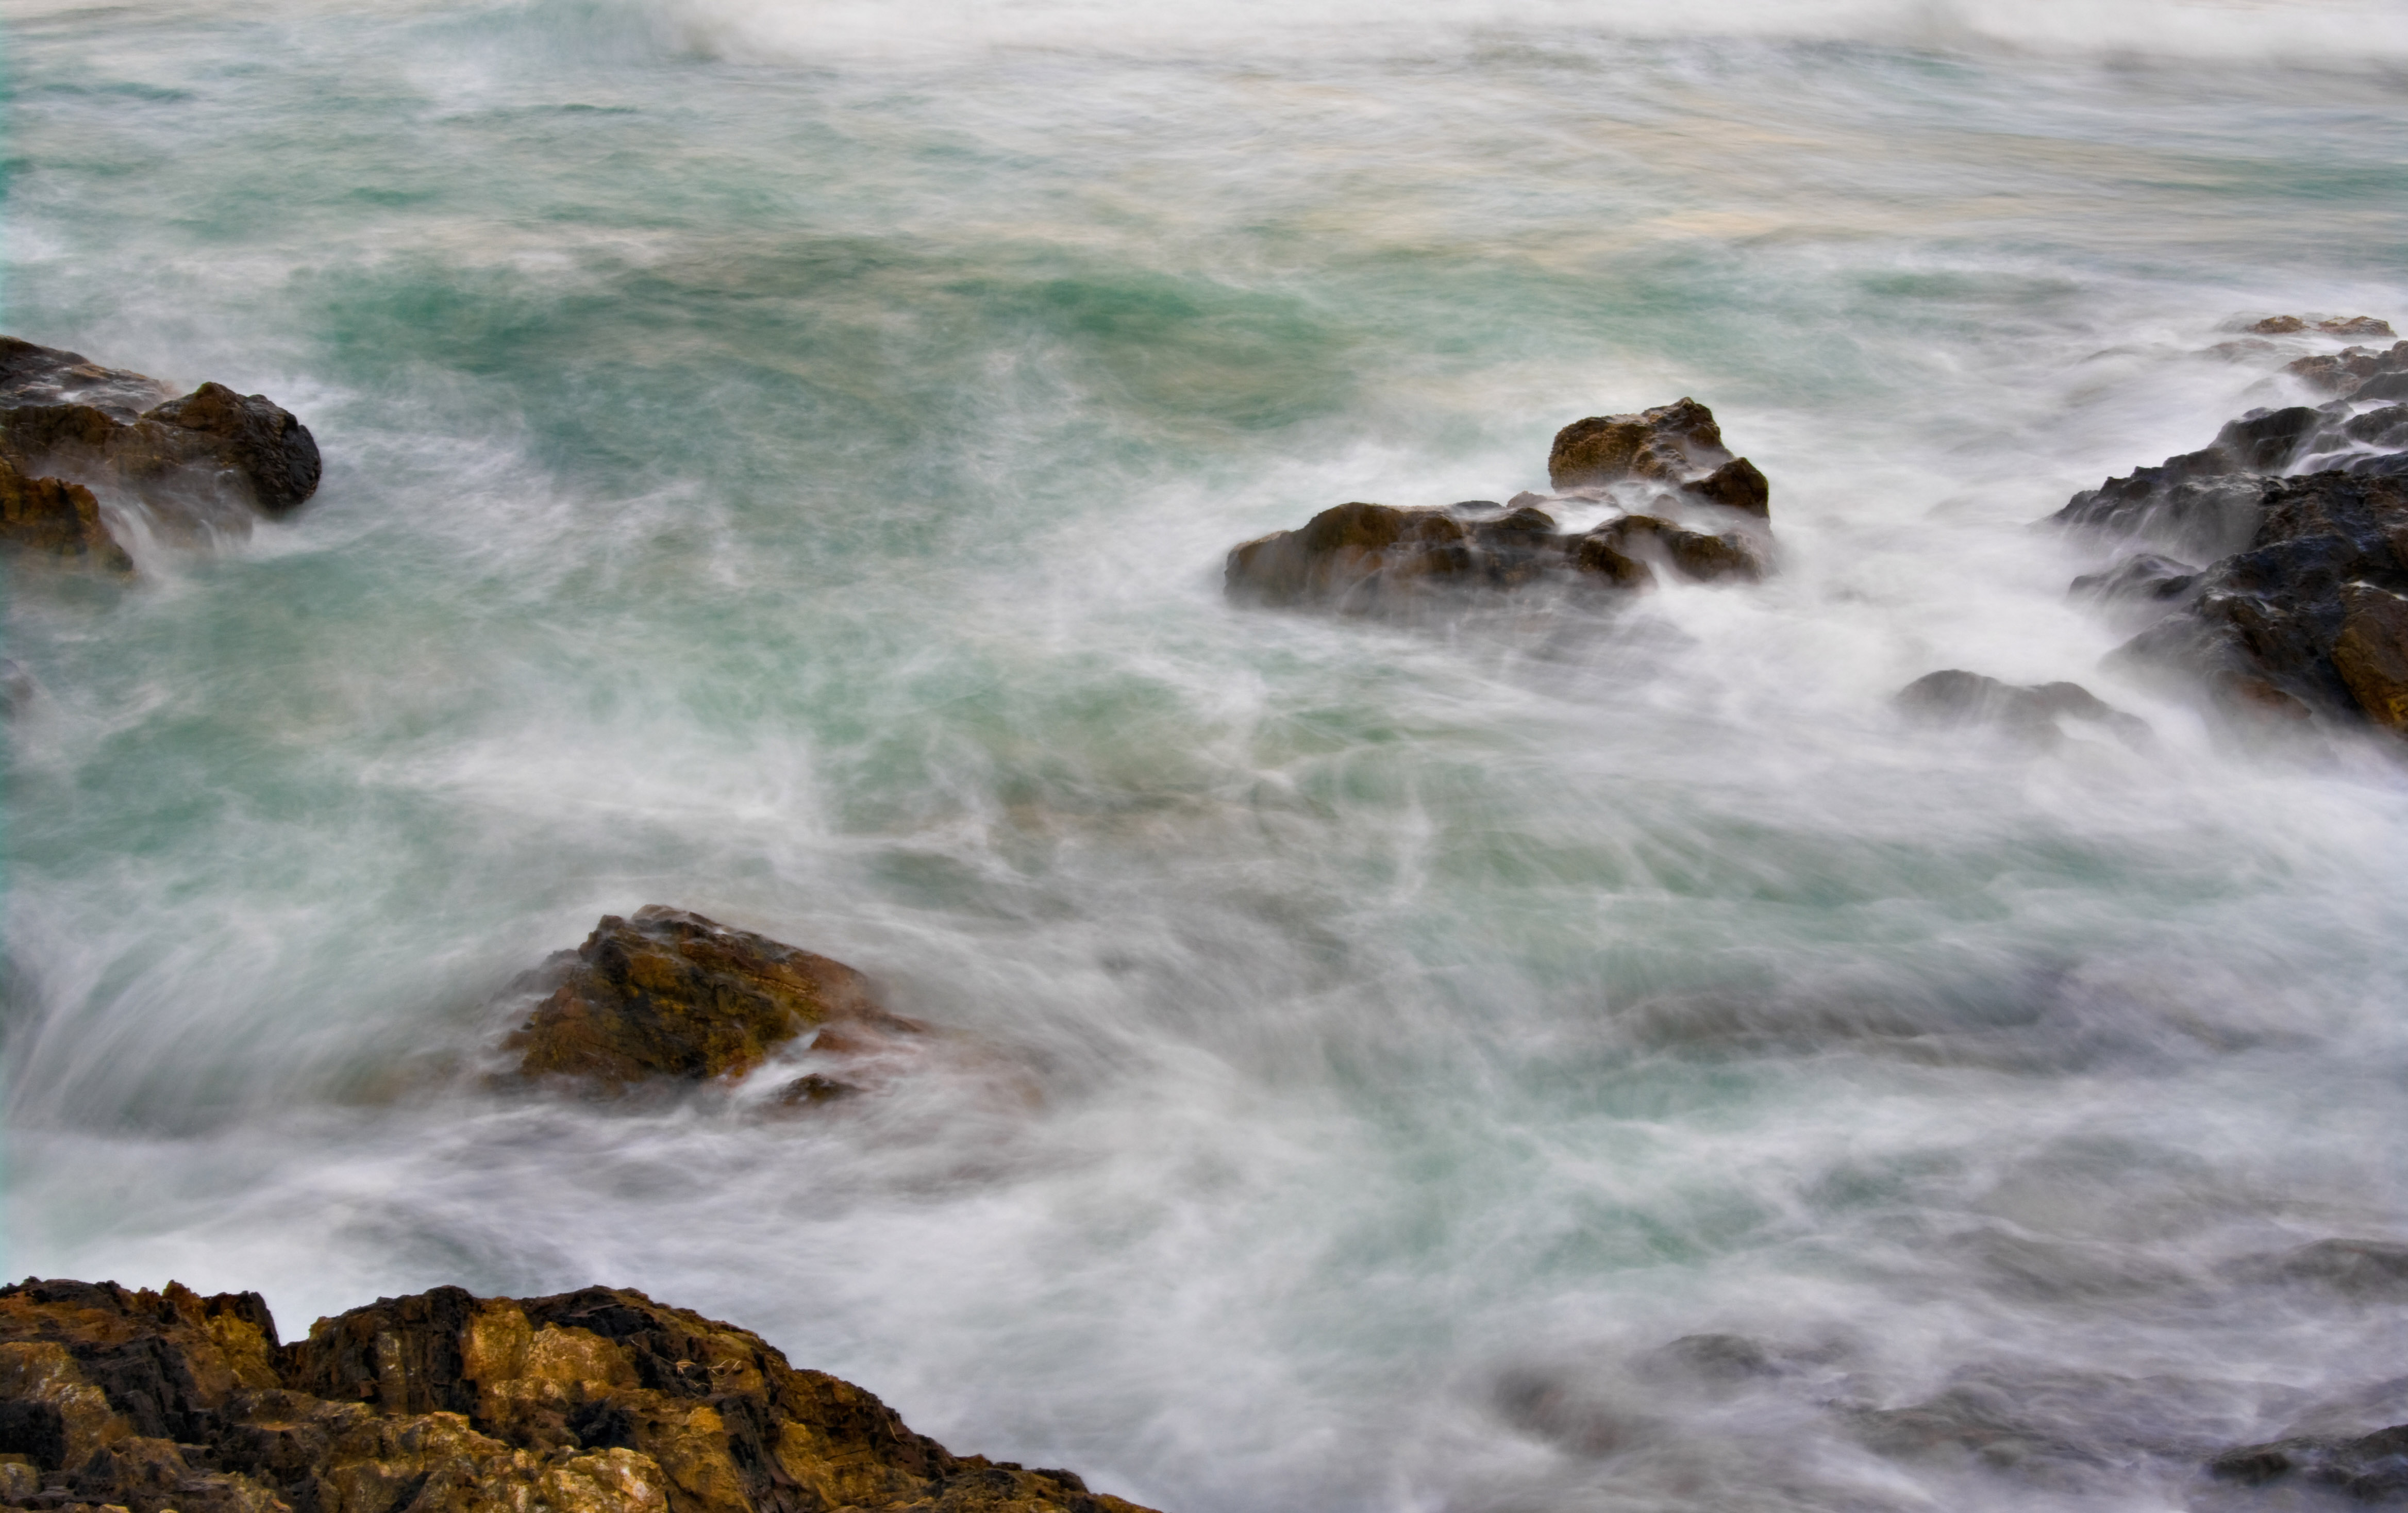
790, 480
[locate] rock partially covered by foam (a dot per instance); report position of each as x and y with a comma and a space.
599, 1400
208, 462
55, 520
2301, 516
2310, 617
2358, 372
1682, 506
2036, 713
670, 997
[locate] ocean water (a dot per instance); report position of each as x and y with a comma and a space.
779, 459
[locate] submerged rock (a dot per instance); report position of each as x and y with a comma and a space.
208, 461
599, 1400
670, 997
55, 520
1375, 558
2369, 1271
2369, 1468
2033, 712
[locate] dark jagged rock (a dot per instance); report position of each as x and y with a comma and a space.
1958, 698
1376, 559
2311, 611
2206, 500
2303, 515
50, 518
599, 1400
670, 997
206, 461
2370, 1469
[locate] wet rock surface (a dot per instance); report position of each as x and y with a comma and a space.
669, 997
2301, 515
1677, 505
54, 520
598, 1401
211, 461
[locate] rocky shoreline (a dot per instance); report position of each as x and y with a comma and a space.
598, 1401
2282, 592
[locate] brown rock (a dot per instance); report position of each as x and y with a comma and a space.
2344, 373
1672, 443
1691, 553
1601, 556
50, 518
199, 463
1357, 556
2371, 653
671, 997
2278, 325
593, 1402
1736, 485
2356, 325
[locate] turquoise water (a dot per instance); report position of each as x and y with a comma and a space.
778, 462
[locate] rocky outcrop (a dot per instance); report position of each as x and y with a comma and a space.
2309, 618
208, 462
2300, 516
1682, 506
2356, 372
599, 1400
51, 519
2337, 325
669, 998
2037, 713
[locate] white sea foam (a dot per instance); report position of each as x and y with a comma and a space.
790, 480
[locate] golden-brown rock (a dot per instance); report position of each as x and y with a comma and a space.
2371, 653
1678, 443
206, 462
50, 517
670, 996
593, 1402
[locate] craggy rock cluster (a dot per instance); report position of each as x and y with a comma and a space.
77, 437
670, 998
1683, 505
115, 1401
2274, 561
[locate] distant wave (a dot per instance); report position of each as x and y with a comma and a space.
2350, 34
